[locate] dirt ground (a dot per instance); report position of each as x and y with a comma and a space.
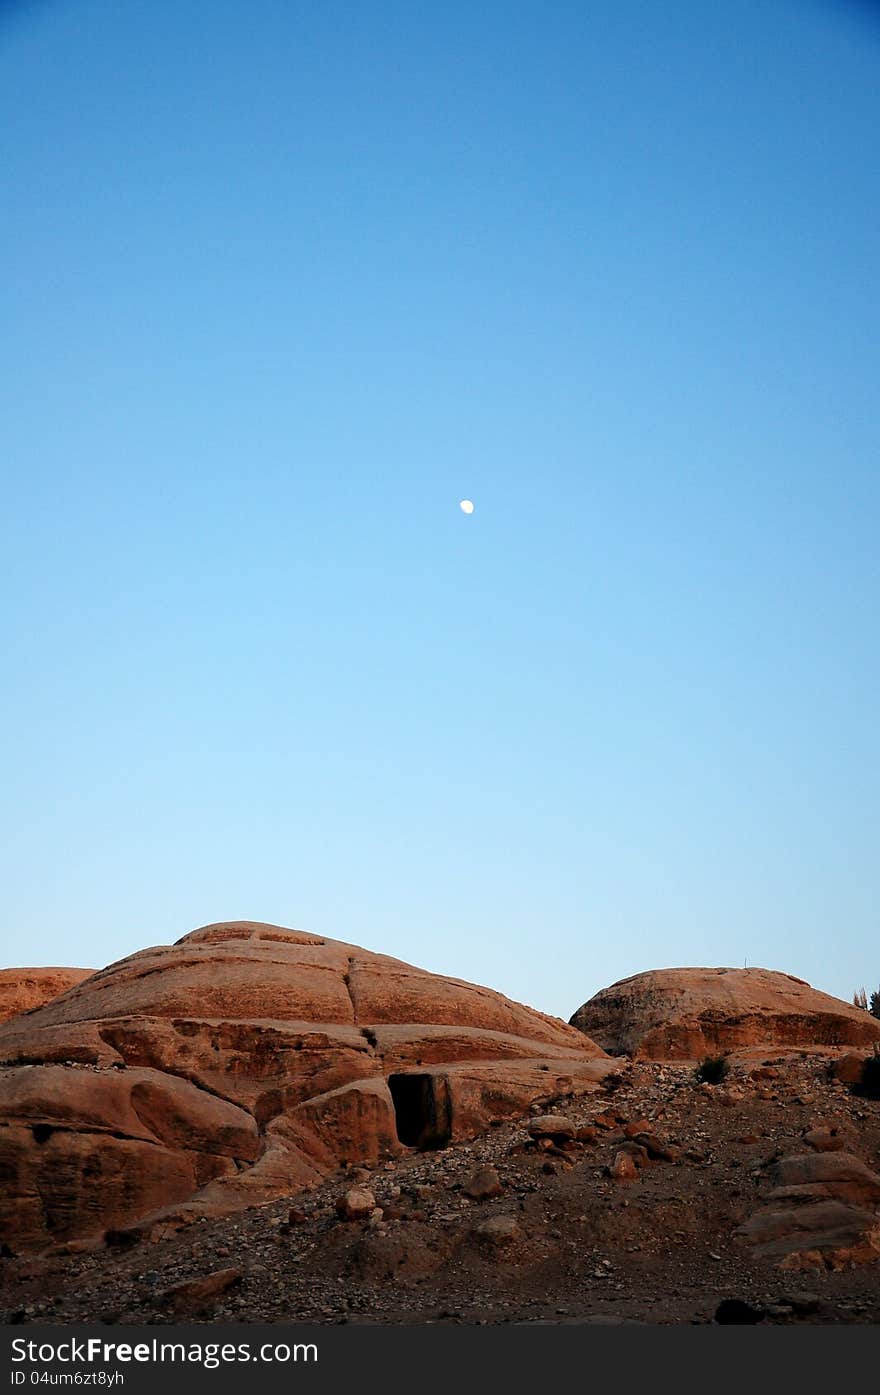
575, 1245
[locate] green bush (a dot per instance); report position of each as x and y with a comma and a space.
712, 1070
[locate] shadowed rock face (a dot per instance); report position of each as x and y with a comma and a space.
685, 1014
246, 1062
22, 990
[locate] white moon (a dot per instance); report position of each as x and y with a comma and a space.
466, 506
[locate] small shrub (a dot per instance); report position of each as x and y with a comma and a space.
612, 1083
870, 1082
712, 1070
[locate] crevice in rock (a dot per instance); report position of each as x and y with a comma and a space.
199, 1085
43, 1131
267, 1107
346, 979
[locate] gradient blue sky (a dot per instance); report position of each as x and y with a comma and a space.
282, 282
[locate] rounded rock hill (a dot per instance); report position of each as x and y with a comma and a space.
685, 1014
246, 1062
22, 990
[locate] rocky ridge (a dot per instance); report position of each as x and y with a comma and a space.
22, 990
686, 1014
246, 1062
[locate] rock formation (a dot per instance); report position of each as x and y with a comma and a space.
22, 990
823, 1213
244, 1063
686, 1014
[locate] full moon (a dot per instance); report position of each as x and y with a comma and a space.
466, 506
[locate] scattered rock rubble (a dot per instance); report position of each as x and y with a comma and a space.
655, 1200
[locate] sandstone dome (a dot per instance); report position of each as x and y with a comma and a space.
246, 1062
685, 1014
22, 990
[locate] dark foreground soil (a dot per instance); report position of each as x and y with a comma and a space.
585, 1248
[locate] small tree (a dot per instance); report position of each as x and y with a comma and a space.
860, 999
875, 1004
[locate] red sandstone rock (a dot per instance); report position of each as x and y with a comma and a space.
823, 1213
554, 1126
498, 1231
685, 1014
839, 1175
637, 1126
824, 1140
637, 1151
199, 1293
22, 990
605, 1121
483, 1185
656, 1149
247, 1062
821, 1234
356, 1204
623, 1167
849, 1068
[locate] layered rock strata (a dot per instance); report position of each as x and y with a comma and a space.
686, 1014
246, 1062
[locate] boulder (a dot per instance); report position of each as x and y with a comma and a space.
247, 1062
636, 1151
821, 1235
824, 1140
196, 1294
823, 1213
356, 1204
554, 1126
624, 1167
498, 1231
483, 1185
849, 1068
686, 1014
656, 1149
637, 1126
605, 1121
807, 1176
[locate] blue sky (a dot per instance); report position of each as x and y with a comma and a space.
282, 283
